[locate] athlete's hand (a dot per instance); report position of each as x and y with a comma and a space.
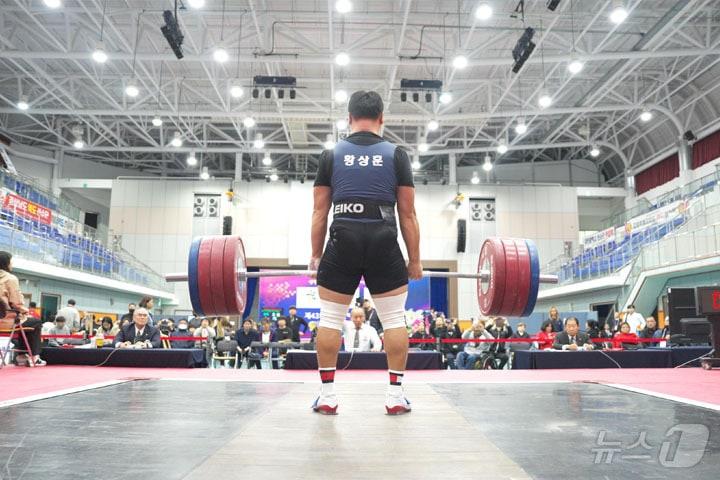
414, 270
314, 263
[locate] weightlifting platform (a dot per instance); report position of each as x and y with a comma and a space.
199, 428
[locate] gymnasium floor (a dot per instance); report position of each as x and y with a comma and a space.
84, 422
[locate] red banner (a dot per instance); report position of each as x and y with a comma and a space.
27, 209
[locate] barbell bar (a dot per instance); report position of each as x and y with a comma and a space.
508, 276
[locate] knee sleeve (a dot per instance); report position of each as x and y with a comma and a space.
332, 315
391, 310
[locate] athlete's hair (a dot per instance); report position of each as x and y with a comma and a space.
365, 104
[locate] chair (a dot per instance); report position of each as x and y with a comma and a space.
11, 333
226, 350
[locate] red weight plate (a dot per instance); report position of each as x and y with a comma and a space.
523, 279
216, 276
491, 292
511, 277
235, 289
204, 274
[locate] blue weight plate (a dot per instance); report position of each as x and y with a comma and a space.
193, 277
534, 278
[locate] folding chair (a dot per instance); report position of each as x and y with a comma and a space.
226, 350
19, 330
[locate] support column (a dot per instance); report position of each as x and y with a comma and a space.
685, 155
56, 172
452, 169
238, 167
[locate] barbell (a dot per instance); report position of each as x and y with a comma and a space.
508, 276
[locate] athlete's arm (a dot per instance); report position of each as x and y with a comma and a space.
410, 229
322, 199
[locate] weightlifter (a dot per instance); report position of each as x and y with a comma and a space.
364, 177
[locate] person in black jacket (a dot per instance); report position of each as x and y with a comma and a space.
500, 329
138, 334
182, 330
371, 316
294, 322
244, 337
572, 338
591, 328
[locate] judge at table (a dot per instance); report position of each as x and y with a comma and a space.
360, 336
571, 338
138, 334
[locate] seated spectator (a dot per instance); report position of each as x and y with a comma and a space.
443, 331
473, 351
607, 332
104, 332
572, 338
283, 333
182, 330
60, 328
418, 333
360, 336
625, 338
501, 330
649, 331
521, 333
138, 334
244, 338
71, 315
267, 335
546, 336
664, 333
204, 333
591, 328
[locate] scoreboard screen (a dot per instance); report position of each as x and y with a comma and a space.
708, 300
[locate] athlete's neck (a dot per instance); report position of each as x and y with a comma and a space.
365, 126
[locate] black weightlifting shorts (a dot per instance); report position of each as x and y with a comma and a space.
362, 249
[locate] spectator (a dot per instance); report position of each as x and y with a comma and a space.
500, 330
591, 328
33, 311
127, 317
616, 321
418, 333
649, 331
664, 332
625, 338
283, 333
166, 326
634, 319
607, 332
59, 328
473, 351
571, 338
91, 322
361, 337
445, 329
244, 338
107, 328
148, 303
205, 334
267, 335
555, 320
371, 316
138, 334
12, 297
521, 332
546, 336
71, 315
294, 322
180, 332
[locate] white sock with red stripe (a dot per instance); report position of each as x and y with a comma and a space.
395, 386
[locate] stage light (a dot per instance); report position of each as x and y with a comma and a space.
267, 160
236, 91
619, 13
268, 92
403, 97
191, 159
248, 122
132, 90
575, 66
273, 177
521, 127
460, 62
594, 151
23, 104
475, 179
53, 3
220, 55
177, 140
343, 6
416, 97
99, 54
255, 93
445, 98
258, 143
196, 3
204, 174
292, 94
544, 100
341, 96
342, 59
502, 148
428, 97
157, 121
483, 12
646, 115
487, 164
78, 143
433, 125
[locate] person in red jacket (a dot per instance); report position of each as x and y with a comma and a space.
624, 338
545, 336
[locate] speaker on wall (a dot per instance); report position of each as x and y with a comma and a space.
689, 136
461, 229
227, 225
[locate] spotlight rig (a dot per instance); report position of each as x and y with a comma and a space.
416, 87
173, 35
523, 49
267, 83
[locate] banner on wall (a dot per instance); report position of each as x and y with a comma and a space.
654, 218
278, 294
27, 209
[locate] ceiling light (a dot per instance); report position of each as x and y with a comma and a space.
433, 125
78, 143
196, 3
236, 91
423, 147
445, 98
220, 55
192, 159
99, 54
273, 177
258, 143
341, 96
157, 121
475, 179
521, 127
53, 3
267, 160
544, 100
575, 66
416, 164
131, 90
343, 6
329, 142
487, 164
460, 62
249, 122
646, 115
502, 148
23, 104
204, 174
594, 151
341, 124
619, 13
342, 59
483, 11
177, 140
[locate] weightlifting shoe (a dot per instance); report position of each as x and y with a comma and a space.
397, 404
326, 404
